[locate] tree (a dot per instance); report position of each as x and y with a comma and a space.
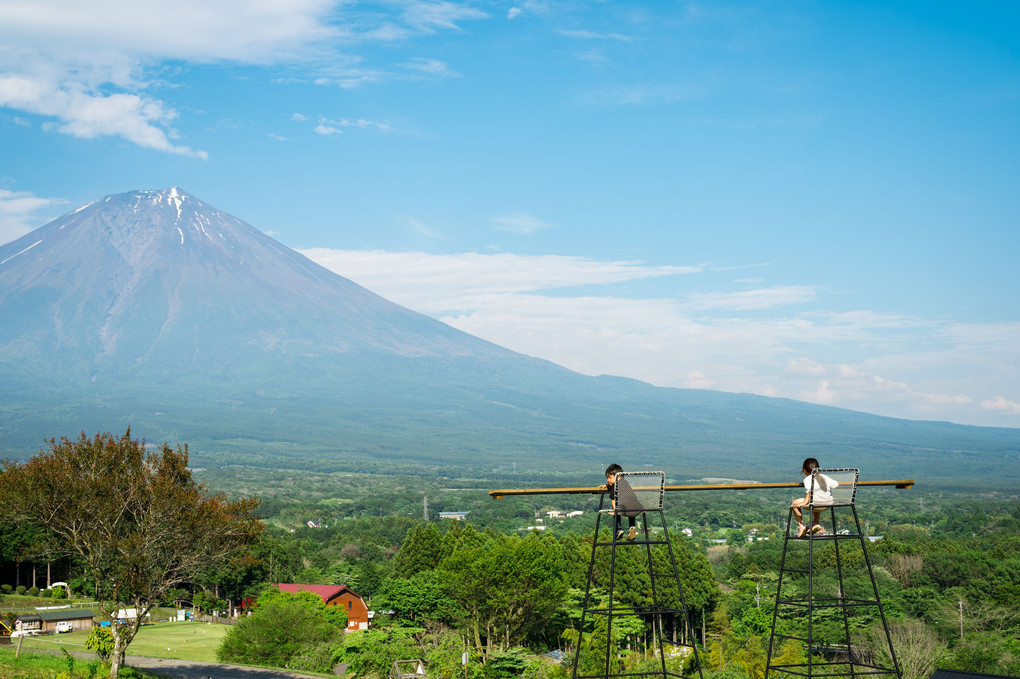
417, 598
136, 520
918, 649
282, 626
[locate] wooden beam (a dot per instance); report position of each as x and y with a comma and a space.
596, 490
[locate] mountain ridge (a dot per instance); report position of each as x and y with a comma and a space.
154, 310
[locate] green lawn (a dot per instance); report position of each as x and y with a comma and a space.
183, 640
45, 666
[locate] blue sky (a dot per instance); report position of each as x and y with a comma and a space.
813, 200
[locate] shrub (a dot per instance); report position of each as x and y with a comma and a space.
22, 589
46, 593
34, 591
58, 593
6, 589
100, 642
282, 627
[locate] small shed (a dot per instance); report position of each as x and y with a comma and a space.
30, 623
80, 619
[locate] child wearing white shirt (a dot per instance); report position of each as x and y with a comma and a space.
821, 485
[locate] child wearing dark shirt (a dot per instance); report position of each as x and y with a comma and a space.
611, 479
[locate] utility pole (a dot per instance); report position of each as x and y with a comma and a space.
960, 601
425, 506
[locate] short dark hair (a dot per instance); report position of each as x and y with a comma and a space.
613, 469
810, 464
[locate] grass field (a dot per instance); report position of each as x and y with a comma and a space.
182, 640
45, 666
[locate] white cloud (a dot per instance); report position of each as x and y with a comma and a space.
592, 35
592, 57
804, 367
696, 380
327, 130
18, 213
436, 283
761, 298
1001, 404
432, 16
92, 69
330, 127
527, 7
641, 95
141, 120
432, 67
519, 222
882, 363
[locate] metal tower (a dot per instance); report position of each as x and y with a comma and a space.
808, 602
638, 495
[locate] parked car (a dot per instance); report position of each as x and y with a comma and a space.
64, 626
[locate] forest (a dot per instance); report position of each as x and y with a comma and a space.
506, 585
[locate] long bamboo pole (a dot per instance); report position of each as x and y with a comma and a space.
595, 490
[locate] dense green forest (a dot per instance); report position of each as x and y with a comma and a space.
506, 584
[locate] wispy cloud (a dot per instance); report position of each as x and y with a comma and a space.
1001, 405
436, 283
741, 342
84, 66
527, 7
759, 298
92, 69
434, 16
329, 128
432, 67
19, 213
519, 222
592, 35
641, 94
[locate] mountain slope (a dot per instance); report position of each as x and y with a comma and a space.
155, 310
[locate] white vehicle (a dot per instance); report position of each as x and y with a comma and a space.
64, 626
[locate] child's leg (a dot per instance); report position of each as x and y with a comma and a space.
799, 513
632, 532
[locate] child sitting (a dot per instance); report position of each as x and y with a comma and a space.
611, 472
821, 486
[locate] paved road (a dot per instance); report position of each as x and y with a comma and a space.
189, 669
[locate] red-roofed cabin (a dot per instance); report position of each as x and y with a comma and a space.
336, 595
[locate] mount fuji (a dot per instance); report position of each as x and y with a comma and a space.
154, 310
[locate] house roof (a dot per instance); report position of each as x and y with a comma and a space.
963, 674
325, 592
78, 614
